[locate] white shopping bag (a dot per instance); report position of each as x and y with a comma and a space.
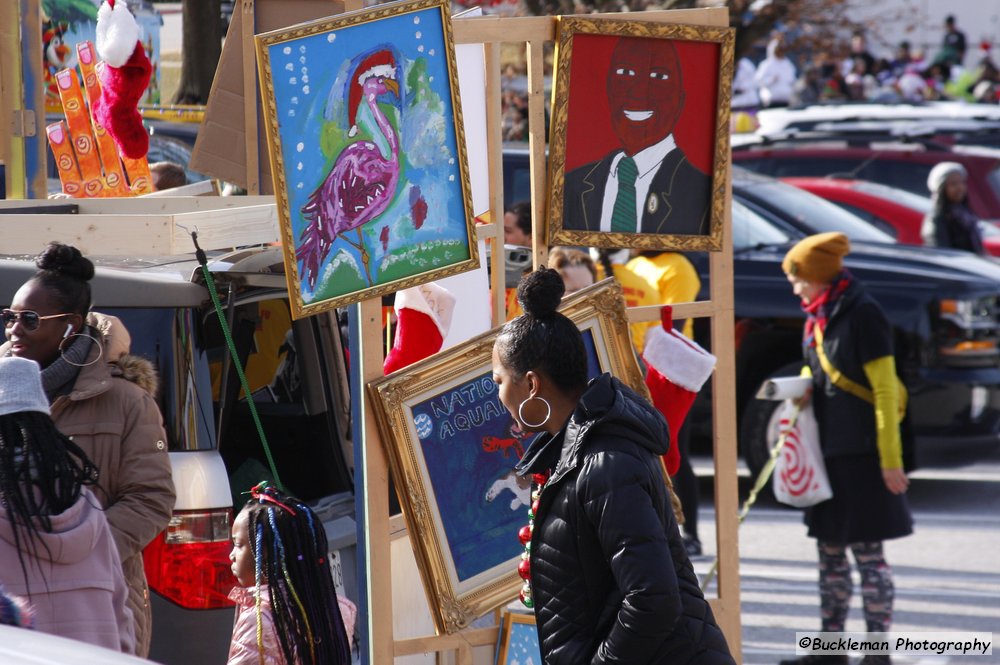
800, 478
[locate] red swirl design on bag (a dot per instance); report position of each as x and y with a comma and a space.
798, 474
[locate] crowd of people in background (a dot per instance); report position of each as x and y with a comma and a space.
856, 74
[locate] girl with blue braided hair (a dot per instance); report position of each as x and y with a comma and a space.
288, 612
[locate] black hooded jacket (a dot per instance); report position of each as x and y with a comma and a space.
610, 578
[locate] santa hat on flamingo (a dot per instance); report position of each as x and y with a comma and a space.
124, 78
423, 320
677, 369
379, 63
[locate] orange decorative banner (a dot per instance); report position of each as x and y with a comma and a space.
87, 158
114, 177
69, 174
82, 137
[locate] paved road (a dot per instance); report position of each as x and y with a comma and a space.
947, 573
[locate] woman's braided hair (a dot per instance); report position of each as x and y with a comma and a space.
542, 339
290, 556
42, 473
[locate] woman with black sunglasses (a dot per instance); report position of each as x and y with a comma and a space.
102, 398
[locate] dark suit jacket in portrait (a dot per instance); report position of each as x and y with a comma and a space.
677, 202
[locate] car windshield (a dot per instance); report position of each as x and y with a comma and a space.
919, 203
751, 230
172, 340
818, 214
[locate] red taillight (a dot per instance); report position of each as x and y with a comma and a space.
189, 562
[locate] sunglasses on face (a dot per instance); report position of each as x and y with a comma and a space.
30, 320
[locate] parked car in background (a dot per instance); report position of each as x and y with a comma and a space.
298, 384
876, 157
949, 122
894, 211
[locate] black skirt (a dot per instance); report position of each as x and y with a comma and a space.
862, 508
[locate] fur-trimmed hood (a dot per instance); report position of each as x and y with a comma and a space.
112, 360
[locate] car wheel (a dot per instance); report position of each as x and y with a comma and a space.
759, 426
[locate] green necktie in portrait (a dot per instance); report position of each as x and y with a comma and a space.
623, 216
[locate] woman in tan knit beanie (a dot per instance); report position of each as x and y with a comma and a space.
856, 397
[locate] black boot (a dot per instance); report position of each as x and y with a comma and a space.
816, 659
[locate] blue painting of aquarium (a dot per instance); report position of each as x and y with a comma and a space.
470, 445
370, 172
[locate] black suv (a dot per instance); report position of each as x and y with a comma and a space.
942, 304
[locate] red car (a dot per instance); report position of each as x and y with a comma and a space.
880, 159
894, 211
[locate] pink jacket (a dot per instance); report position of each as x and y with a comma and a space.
75, 579
244, 649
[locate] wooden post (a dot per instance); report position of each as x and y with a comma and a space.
725, 434
494, 143
375, 484
536, 145
250, 97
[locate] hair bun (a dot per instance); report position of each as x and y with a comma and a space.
65, 259
540, 292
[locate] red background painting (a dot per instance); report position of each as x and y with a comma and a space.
589, 135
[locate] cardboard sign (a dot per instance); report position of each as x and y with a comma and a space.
220, 150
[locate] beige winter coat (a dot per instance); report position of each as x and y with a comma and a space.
112, 416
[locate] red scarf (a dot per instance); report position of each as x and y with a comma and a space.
818, 310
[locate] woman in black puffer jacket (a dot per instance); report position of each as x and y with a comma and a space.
610, 580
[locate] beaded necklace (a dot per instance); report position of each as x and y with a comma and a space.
524, 535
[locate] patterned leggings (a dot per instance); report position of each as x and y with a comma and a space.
835, 586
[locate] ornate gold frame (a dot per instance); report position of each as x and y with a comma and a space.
567, 28
329, 25
509, 619
600, 308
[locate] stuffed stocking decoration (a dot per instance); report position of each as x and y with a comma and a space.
677, 369
423, 316
124, 78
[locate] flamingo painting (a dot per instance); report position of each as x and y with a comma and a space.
362, 183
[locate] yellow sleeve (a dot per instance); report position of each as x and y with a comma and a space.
881, 374
678, 282
806, 371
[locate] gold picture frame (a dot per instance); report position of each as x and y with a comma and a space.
518, 639
364, 124
452, 448
659, 93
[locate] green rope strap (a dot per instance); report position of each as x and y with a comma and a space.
762, 478
210, 283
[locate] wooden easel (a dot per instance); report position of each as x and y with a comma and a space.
371, 469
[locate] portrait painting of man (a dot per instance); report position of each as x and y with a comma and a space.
636, 160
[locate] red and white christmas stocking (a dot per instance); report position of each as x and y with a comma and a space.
423, 316
677, 368
124, 78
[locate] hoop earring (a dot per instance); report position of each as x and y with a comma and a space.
100, 351
548, 412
